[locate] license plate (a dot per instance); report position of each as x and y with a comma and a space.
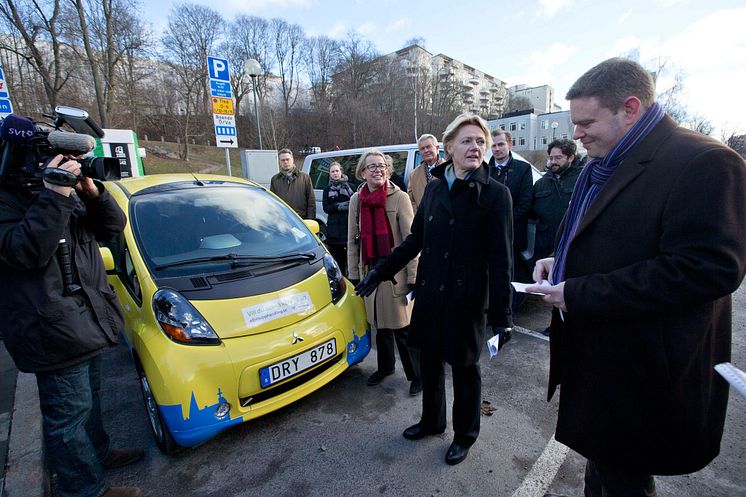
297, 364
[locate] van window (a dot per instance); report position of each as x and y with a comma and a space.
319, 170
418, 157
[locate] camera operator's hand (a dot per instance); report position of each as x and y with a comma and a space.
86, 188
63, 163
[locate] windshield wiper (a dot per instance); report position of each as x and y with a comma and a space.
238, 260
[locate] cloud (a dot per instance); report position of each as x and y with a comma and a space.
667, 4
396, 25
367, 29
624, 17
550, 7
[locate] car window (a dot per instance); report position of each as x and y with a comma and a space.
205, 222
418, 157
124, 266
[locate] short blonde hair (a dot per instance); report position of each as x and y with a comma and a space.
361, 163
466, 119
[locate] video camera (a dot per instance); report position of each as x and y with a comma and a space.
26, 149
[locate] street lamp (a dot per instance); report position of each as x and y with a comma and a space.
554, 127
253, 69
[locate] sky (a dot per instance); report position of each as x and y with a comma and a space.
537, 42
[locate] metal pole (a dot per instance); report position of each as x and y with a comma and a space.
228, 161
256, 113
415, 106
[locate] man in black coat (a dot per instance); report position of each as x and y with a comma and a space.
551, 194
57, 323
516, 175
462, 231
641, 283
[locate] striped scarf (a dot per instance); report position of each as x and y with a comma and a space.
593, 178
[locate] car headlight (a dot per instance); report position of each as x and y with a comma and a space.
180, 321
336, 279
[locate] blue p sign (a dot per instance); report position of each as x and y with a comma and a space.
218, 68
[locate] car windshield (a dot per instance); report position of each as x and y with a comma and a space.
184, 230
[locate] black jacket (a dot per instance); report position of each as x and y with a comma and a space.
336, 221
516, 175
464, 235
551, 197
44, 329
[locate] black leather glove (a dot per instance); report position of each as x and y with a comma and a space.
504, 332
343, 206
354, 282
369, 284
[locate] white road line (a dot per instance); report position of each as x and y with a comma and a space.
532, 333
543, 471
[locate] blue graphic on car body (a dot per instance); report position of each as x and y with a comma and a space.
199, 425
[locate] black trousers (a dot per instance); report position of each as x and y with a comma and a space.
603, 481
410, 358
339, 252
467, 397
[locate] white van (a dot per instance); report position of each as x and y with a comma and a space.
406, 158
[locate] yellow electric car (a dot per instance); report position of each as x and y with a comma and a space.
233, 307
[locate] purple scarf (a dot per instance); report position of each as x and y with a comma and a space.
593, 178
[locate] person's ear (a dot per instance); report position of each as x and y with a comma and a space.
632, 108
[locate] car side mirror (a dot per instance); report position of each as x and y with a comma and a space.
107, 258
312, 225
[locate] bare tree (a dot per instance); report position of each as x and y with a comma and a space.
191, 35
108, 31
288, 39
38, 24
351, 81
322, 57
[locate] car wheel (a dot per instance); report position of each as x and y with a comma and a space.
163, 438
322, 231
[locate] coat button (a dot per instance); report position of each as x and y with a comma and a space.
445, 256
422, 283
451, 222
471, 184
442, 287
427, 250
430, 218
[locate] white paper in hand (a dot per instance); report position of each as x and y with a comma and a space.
521, 287
493, 345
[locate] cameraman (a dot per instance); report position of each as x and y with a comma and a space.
59, 331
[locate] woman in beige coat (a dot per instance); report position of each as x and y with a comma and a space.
380, 219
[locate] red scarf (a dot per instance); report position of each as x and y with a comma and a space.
376, 238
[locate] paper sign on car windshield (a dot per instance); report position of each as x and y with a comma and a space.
275, 309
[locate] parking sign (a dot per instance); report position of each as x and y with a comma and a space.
218, 69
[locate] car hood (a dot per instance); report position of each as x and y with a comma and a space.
231, 318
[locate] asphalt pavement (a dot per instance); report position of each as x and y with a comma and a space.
346, 439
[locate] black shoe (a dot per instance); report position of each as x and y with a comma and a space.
116, 458
417, 432
456, 453
378, 377
415, 388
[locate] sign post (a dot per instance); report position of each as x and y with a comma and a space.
6, 108
223, 109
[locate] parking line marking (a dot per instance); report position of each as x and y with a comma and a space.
532, 333
542, 473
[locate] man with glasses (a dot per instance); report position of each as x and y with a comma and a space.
551, 194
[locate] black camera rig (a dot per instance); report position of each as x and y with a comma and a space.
26, 147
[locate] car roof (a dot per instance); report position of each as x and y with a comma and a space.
361, 150
134, 185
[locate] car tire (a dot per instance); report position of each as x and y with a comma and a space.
163, 438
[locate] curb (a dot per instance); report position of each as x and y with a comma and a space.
26, 474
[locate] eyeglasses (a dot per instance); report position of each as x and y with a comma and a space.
373, 167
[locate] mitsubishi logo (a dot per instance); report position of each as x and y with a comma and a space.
297, 338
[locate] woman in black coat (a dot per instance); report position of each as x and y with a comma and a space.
463, 229
336, 204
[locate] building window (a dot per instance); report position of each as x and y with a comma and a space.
564, 136
543, 140
513, 126
523, 125
502, 126
512, 142
521, 141
545, 125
